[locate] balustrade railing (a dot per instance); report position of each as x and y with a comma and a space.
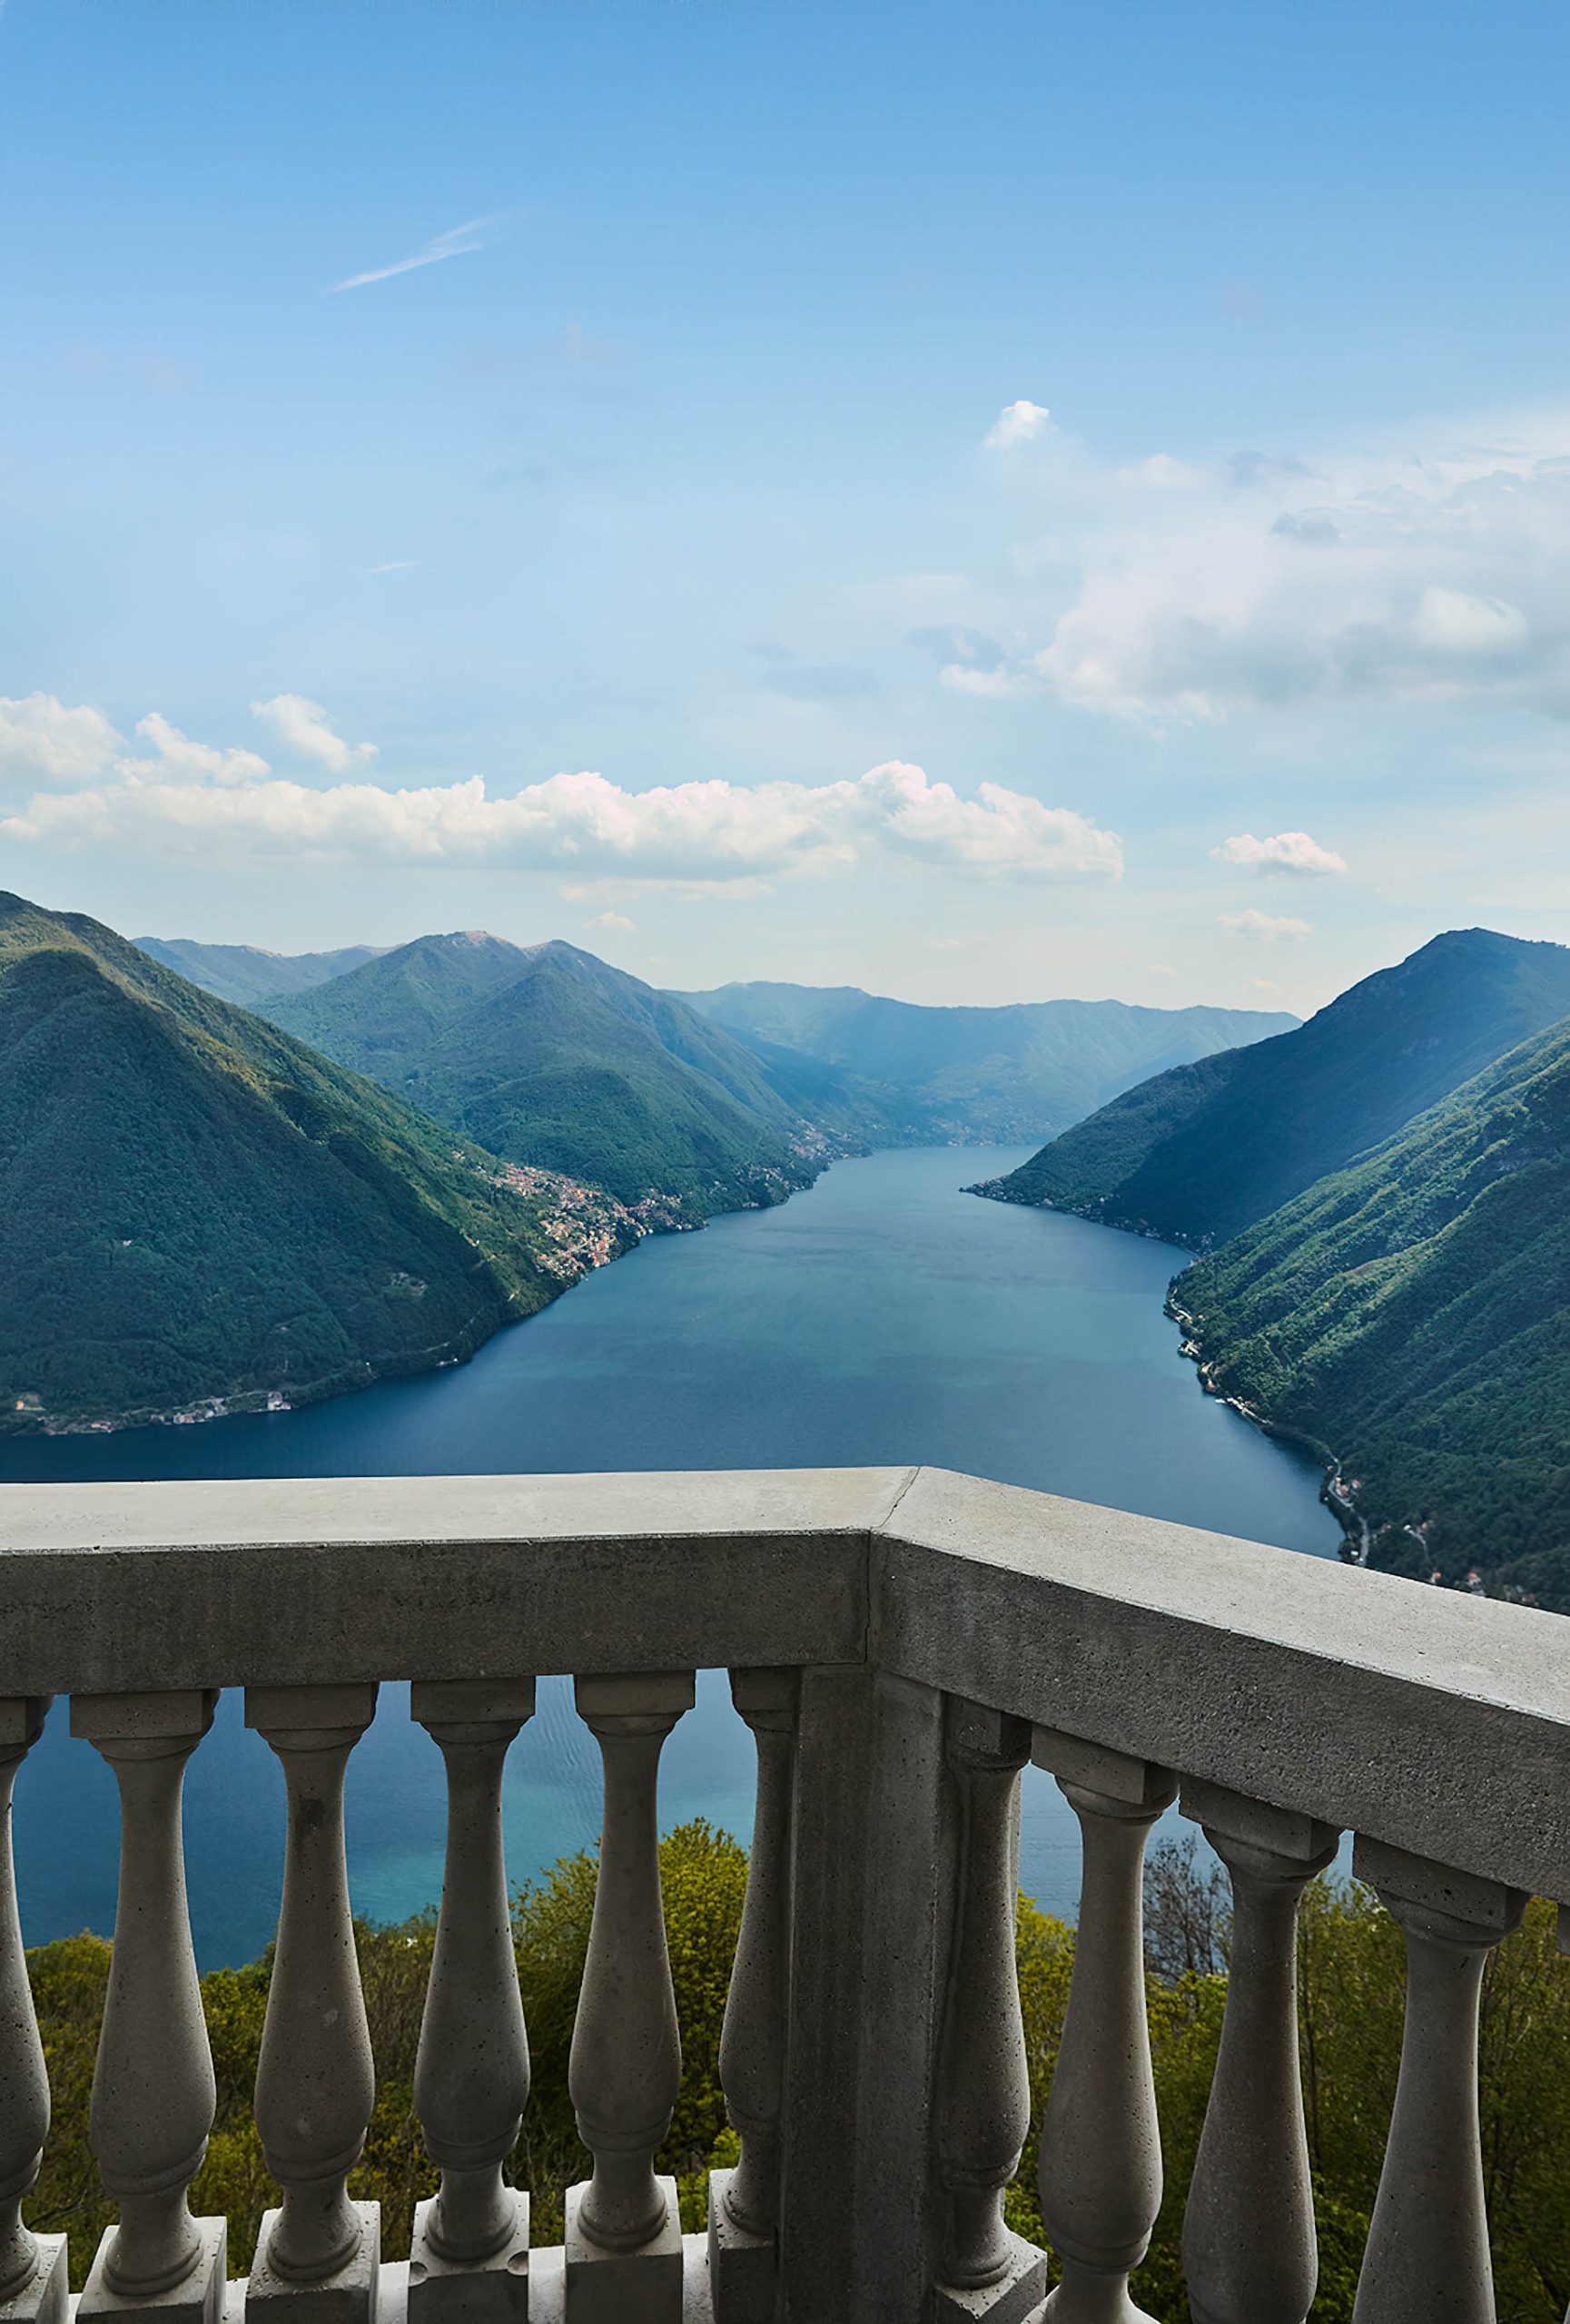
901, 1645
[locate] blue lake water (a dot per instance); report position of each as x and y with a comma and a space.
884, 1316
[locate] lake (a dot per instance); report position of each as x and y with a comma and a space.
881, 1317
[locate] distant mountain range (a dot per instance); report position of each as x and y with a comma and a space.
1394, 1179
202, 1214
1199, 1153
245, 973
550, 1058
980, 1076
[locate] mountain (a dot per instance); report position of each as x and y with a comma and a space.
246, 974
1200, 1153
202, 1214
556, 1060
1411, 1315
979, 1075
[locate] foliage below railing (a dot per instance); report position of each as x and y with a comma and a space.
1350, 1987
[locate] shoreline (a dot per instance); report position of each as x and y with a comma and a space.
1356, 1531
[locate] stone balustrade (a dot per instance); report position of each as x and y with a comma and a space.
901, 1644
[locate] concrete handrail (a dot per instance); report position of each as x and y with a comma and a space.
1425, 1718
899, 1640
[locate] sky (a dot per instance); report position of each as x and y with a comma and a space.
979, 503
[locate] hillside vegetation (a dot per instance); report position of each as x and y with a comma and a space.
199, 1209
1201, 1153
1350, 1983
1411, 1315
554, 1060
977, 1076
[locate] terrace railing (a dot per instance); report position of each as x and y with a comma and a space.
900, 1643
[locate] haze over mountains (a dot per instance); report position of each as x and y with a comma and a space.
246, 974
972, 1075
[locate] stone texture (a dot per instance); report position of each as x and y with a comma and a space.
494, 2290
45, 2298
349, 2297
641, 2287
1014, 2299
198, 2301
742, 2268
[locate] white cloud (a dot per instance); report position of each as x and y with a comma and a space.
192, 802
179, 760
395, 564
1196, 592
1266, 926
612, 923
1293, 853
458, 241
41, 741
303, 723
1017, 423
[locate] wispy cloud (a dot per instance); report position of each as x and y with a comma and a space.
1258, 927
1291, 853
395, 564
458, 241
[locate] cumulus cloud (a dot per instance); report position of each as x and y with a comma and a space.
302, 724
183, 803
611, 923
1266, 926
1017, 423
1198, 591
1293, 853
179, 760
41, 741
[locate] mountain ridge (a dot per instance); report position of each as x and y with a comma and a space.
1409, 1316
1200, 1153
968, 1073
206, 1215
550, 1056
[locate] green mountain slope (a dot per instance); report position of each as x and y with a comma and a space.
556, 1060
199, 1209
244, 973
1201, 1153
1411, 1314
982, 1074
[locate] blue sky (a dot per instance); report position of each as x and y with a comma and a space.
980, 504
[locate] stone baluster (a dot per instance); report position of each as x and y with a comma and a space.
624, 2260
1428, 2251
744, 2203
982, 2109
1101, 2155
1252, 2166
32, 2268
318, 2253
153, 2093
469, 2258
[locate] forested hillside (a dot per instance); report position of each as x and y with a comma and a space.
1411, 1315
976, 1075
200, 1211
1201, 1153
554, 1060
